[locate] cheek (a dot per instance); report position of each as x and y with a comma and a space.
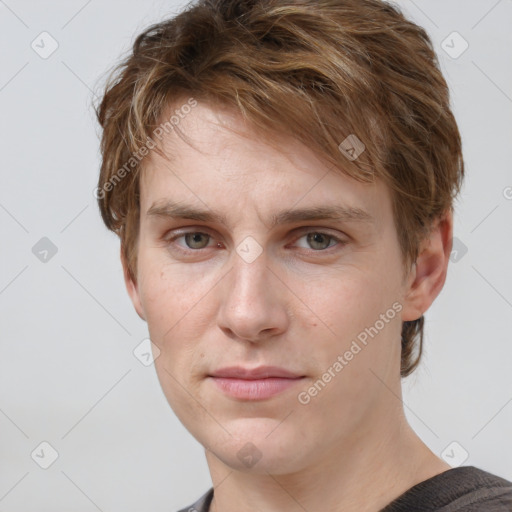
168, 290
179, 310
176, 318
342, 303
353, 315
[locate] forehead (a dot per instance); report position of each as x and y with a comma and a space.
213, 155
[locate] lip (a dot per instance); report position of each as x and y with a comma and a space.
261, 372
254, 384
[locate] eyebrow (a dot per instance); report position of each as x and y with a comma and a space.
170, 209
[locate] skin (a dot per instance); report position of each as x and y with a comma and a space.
298, 305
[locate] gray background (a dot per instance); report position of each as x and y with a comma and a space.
68, 375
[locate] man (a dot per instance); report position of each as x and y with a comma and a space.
281, 175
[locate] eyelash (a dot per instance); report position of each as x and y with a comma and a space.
338, 241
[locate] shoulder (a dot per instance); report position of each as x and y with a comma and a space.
202, 504
462, 489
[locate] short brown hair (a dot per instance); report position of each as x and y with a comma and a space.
318, 70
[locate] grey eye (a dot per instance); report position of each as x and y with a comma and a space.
319, 241
197, 240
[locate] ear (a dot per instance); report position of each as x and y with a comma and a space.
132, 288
427, 276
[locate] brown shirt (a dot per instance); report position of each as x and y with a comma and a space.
462, 489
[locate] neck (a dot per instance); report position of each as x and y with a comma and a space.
364, 474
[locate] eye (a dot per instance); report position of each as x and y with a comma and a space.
319, 241
193, 240
196, 240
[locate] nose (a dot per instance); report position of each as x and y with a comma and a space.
253, 302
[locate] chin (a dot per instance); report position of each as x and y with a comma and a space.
257, 459
258, 446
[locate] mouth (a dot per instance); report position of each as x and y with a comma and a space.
254, 384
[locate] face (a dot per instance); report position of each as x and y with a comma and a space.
274, 290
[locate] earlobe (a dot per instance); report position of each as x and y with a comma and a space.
428, 275
132, 288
